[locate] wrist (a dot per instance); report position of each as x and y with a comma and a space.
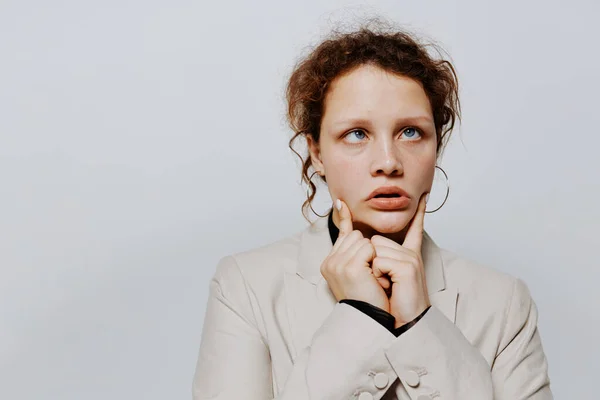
405, 325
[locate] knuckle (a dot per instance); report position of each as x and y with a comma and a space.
415, 260
376, 270
326, 265
367, 248
372, 253
356, 234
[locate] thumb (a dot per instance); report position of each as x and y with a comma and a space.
345, 218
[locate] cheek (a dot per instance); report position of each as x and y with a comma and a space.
423, 171
344, 179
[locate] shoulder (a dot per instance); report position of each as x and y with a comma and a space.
260, 264
486, 290
468, 274
493, 307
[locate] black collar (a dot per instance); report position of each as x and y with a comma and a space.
333, 230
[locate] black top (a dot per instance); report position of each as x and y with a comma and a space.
383, 317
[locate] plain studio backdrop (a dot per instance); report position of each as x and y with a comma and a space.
141, 141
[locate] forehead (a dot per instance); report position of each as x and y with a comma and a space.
369, 91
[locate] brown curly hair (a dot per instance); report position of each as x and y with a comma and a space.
390, 48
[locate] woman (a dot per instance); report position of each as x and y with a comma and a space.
362, 304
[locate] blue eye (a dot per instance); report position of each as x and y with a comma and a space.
409, 132
356, 130
408, 129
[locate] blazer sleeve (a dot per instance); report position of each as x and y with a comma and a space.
233, 361
344, 359
446, 364
520, 369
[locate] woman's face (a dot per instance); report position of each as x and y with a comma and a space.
377, 130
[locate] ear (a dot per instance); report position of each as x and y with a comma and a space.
315, 154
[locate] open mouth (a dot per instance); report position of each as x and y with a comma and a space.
389, 201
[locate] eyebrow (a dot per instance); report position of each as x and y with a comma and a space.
363, 121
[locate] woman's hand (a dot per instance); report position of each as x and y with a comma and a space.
404, 265
347, 268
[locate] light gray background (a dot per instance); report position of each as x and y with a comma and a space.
140, 141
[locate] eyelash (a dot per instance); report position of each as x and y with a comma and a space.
409, 127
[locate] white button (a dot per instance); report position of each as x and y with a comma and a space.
381, 380
411, 378
365, 396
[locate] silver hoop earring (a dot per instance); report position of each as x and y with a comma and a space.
447, 191
307, 196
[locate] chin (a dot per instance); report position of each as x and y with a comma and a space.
388, 221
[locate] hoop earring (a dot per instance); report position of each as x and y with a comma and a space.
307, 197
447, 191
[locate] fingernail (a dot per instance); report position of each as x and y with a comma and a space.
427, 198
338, 204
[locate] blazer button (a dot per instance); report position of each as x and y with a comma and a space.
412, 379
365, 396
381, 380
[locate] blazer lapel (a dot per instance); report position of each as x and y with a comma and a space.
309, 299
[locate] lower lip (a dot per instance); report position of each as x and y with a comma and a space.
389, 203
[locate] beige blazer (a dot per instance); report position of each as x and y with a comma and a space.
273, 330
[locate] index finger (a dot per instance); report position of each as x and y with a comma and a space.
345, 218
414, 235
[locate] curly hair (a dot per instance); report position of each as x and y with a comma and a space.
394, 50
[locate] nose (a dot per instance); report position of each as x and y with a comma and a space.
386, 159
